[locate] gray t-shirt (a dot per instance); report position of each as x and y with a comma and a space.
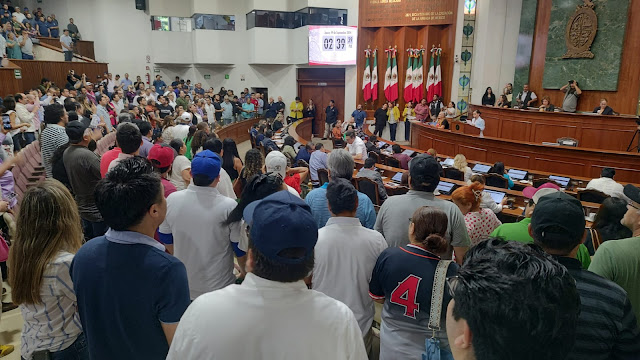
83, 170
393, 218
27, 48
570, 102
67, 41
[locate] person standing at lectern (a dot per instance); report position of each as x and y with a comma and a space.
478, 122
604, 108
571, 95
381, 119
526, 98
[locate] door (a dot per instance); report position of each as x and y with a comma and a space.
321, 95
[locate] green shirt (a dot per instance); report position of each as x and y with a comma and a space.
520, 232
619, 261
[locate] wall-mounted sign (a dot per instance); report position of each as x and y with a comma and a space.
156, 70
226, 76
17, 73
207, 77
322, 84
378, 13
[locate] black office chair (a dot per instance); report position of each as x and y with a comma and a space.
453, 174
393, 162
369, 188
591, 195
323, 176
337, 143
374, 155
496, 180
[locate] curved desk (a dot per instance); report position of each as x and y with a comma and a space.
580, 162
238, 131
591, 131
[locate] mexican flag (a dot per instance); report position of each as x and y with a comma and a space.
418, 91
438, 77
366, 80
408, 79
387, 76
393, 88
374, 77
431, 78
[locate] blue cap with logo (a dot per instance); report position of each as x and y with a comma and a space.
206, 163
281, 221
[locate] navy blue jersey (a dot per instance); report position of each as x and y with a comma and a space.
403, 277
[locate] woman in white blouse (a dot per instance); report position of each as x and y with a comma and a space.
460, 163
48, 234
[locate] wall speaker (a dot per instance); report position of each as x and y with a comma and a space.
141, 4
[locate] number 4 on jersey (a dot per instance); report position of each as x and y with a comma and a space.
405, 294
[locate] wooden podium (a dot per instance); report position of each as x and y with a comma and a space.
463, 128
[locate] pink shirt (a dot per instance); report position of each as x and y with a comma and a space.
169, 188
421, 112
107, 158
481, 224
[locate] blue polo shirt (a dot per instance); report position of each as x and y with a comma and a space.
359, 116
126, 285
317, 201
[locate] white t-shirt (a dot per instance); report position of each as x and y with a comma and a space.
357, 147
346, 253
180, 131
225, 186
263, 319
607, 186
180, 163
200, 240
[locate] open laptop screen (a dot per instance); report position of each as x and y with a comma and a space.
445, 187
480, 168
497, 196
397, 177
448, 162
563, 181
517, 174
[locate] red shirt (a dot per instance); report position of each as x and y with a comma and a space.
107, 158
255, 103
169, 188
294, 182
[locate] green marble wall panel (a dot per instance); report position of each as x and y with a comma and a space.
599, 73
525, 44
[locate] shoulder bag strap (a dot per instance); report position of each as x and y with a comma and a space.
437, 295
595, 239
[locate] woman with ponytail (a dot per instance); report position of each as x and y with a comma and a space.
403, 280
480, 222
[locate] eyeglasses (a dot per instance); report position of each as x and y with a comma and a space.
633, 206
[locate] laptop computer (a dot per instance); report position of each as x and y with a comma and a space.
408, 152
397, 178
447, 162
381, 144
497, 196
517, 174
480, 168
563, 181
445, 187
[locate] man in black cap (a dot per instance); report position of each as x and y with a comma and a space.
392, 220
619, 260
607, 325
83, 170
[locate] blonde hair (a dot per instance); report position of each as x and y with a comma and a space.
48, 222
460, 162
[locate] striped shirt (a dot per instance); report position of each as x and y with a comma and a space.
607, 327
53, 136
53, 324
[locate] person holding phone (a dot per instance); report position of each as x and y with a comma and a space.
571, 95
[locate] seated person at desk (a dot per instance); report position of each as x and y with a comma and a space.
372, 144
604, 108
317, 161
460, 163
504, 102
477, 121
403, 158
487, 201
571, 95
305, 152
498, 168
336, 132
442, 122
526, 98
355, 146
489, 98
267, 142
480, 222
607, 185
519, 231
369, 171
546, 104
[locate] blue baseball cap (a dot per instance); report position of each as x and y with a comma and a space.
206, 163
281, 221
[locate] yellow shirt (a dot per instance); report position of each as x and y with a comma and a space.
296, 110
396, 115
408, 112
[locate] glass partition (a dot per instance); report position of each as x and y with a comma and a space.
294, 20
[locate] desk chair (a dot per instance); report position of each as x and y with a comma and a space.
538, 182
591, 195
496, 180
374, 155
369, 188
393, 162
323, 176
454, 174
337, 143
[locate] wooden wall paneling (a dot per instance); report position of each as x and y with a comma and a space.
559, 165
445, 147
625, 100
622, 172
472, 152
515, 129
551, 133
612, 138
425, 142
10, 85
509, 159
82, 47
34, 70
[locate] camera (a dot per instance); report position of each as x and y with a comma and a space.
570, 81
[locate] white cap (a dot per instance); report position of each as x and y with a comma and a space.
185, 117
276, 162
542, 192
